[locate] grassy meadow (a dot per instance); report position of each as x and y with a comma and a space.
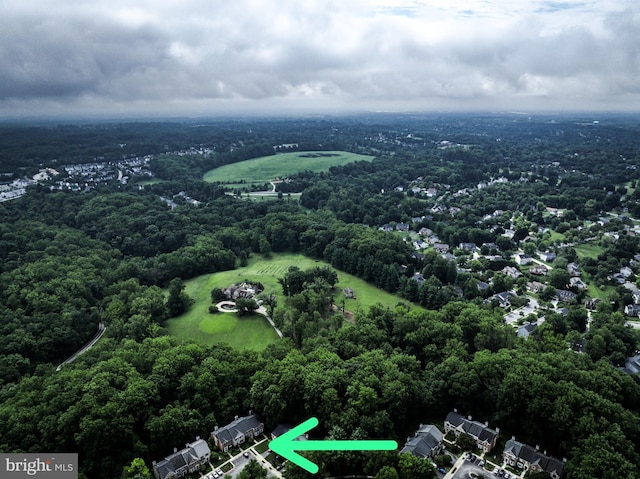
254, 332
588, 250
281, 165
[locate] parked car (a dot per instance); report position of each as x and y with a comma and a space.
442, 470
481, 463
245, 454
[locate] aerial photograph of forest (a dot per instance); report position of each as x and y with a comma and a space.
374, 239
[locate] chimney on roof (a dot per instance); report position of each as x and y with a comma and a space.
175, 449
455, 409
545, 452
486, 424
197, 438
564, 459
250, 412
154, 463
215, 428
537, 447
236, 418
513, 438
497, 430
469, 418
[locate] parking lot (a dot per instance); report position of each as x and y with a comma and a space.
463, 468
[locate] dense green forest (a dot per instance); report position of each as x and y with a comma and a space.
118, 254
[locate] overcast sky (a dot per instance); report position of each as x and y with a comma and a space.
208, 57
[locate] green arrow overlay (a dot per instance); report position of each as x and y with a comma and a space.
286, 445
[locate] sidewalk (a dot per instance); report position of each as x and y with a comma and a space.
260, 458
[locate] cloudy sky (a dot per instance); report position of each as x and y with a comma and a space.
208, 57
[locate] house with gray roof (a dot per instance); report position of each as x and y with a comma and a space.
525, 330
427, 442
517, 454
468, 247
547, 256
522, 259
484, 436
632, 310
632, 365
183, 462
565, 296
574, 270
501, 298
237, 432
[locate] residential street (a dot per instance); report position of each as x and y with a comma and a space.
514, 316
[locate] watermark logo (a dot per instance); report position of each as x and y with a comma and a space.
45, 466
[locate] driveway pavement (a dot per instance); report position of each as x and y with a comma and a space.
462, 468
239, 462
514, 316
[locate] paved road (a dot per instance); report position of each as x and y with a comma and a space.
514, 316
263, 312
239, 461
101, 329
462, 468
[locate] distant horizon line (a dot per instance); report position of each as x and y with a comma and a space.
164, 118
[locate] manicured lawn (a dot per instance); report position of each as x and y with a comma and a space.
262, 446
261, 170
254, 332
248, 332
556, 236
365, 294
594, 292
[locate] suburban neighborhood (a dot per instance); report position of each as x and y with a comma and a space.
244, 439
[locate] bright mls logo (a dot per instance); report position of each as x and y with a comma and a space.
50, 466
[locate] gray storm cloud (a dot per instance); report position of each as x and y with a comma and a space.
337, 53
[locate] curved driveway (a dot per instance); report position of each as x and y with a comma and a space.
101, 329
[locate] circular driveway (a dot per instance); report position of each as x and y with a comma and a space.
227, 307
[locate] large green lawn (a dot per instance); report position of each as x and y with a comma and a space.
252, 332
282, 165
255, 332
556, 236
588, 250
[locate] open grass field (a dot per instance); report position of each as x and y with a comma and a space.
557, 236
594, 292
588, 250
153, 181
282, 165
255, 332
